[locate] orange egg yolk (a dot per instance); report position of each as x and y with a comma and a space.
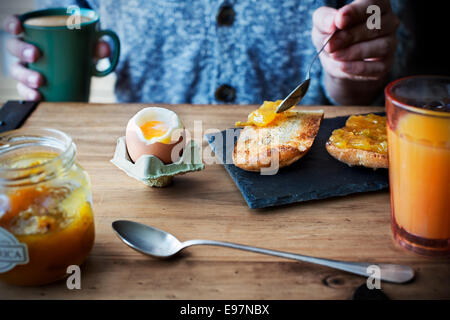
264, 115
153, 129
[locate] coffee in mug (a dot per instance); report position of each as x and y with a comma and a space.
53, 21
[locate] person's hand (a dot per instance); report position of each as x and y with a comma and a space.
356, 52
28, 80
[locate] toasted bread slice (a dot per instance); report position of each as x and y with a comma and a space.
357, 157
361, 142
288, 138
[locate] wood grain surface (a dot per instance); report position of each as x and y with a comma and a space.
208, 205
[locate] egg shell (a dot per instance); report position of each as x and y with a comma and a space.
137, 146
161, 150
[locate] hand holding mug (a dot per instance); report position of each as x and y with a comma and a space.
31, 78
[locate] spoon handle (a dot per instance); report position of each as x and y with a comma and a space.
388, 272
319, 52
299, 92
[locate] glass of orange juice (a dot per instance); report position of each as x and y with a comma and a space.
418, 129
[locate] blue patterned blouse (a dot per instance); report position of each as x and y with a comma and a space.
215, 51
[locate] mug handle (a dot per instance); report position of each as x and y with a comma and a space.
114, 56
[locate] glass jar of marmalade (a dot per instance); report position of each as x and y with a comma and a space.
46, 218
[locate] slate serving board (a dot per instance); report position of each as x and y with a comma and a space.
315, 176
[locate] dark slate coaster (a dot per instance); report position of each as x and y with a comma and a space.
315, 176
14, 113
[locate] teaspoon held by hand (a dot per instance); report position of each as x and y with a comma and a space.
160, 244
300, 91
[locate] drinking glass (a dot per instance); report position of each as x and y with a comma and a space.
418, 130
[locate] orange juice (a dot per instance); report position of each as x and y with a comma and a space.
419, 171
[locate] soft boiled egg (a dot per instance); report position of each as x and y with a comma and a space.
154, 131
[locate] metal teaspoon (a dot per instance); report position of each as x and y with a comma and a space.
298, 93
160, 244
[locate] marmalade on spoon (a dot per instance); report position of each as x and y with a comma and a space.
264, 115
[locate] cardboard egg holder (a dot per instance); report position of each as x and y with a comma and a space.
151, 170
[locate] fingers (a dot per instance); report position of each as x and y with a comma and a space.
377, 48
22, 50
102, 50
12, 25
356, 70
369, 69
323, 26
356, 52
319, 38
356, 12
323, 19
28, 93
28, 80
26, 76
359, 33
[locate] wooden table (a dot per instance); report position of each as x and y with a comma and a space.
208, 205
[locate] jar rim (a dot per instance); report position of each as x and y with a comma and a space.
21, 138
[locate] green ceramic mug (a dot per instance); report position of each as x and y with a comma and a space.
67, 51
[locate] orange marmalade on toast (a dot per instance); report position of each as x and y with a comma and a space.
364, 132
264, 115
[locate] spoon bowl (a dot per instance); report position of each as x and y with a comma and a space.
146, 239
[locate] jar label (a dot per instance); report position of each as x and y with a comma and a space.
12, 252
